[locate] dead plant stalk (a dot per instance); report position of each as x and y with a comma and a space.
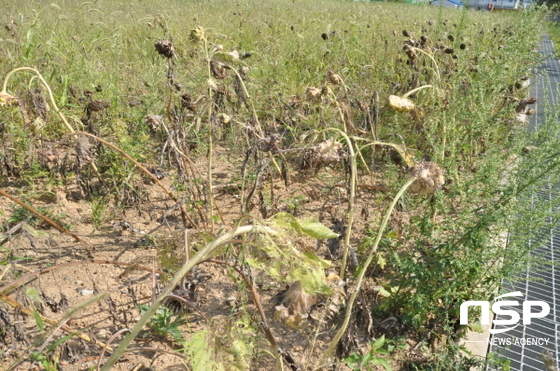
363, 270
202, 255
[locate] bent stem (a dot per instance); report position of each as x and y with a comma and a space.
415, 90
202, 255
363, 271
49, 91
51, 97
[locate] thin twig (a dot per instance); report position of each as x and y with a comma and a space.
109, 342
32, 210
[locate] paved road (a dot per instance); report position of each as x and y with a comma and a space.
525, 354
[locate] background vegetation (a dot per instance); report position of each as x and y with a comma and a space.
192, 88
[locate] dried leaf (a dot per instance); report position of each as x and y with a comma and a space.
294, 307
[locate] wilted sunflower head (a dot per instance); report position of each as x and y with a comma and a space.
429, 177
197, 34
313, 94
7, 99
401, 104
165, 48
333, 78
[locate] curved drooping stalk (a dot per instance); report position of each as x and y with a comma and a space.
202, 255
49, 91
363, 270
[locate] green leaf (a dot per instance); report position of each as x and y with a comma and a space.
367, 358
38, 320
32, 231
382, 362
317, 230
201, 358
378, 344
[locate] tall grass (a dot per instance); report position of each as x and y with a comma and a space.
471, 61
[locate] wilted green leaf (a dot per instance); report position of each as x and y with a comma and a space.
317, 230
32, 231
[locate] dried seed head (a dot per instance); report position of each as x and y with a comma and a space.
324, 36
401, 104
330, 151
449, 51
410, 52
154, 122
7, 99
185, 290
187, 102
313, 94
325, 153
429, 177
197, 34
165, 48
218, 69
405, 33
451, 38
463, 46
333, 78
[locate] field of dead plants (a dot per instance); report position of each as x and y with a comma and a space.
281, 185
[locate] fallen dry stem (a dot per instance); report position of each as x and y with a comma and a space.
32, 210
52, 322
